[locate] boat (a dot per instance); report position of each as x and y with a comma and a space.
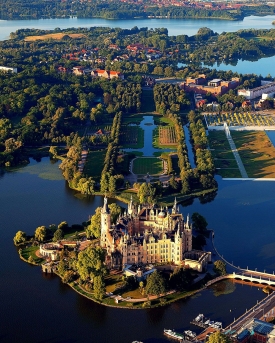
173, 334
218, 324
207, 322
190, 333
199, 317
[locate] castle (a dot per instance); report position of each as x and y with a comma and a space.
147, 234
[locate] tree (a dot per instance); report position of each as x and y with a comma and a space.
94, 229
199, 222
180, 279
155, 284
40, 233
220, 267
20, 237
115, 211
146, 193
58, 235
90, 263
53, 151
99, 287
218, 337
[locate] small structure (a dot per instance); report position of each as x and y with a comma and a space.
49, 267
50, 250
140, 272
197, 260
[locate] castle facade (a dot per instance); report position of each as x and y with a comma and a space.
147, 234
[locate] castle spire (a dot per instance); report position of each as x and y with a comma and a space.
105, 208
174, 208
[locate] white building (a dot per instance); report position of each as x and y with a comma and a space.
253, 93
7, 69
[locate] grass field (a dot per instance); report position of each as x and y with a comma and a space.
144, 165
56, 36
31, 251
223, 157
94, 164
257, 153
132, 137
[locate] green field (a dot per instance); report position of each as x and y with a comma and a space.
144, 165
223, 157
132, 137
94, 164
257, 153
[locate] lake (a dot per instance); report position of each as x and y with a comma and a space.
40, 308
174, 26
263, 66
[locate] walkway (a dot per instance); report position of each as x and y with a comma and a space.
259, 311
235, 152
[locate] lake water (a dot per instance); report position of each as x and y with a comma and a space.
263, 66
174, 26
271, 136
39, 308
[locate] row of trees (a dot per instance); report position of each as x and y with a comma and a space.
114, 10
170, 99
110, 180
205, 165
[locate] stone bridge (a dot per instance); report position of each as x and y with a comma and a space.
249, 276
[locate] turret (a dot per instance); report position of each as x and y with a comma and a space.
174, 208
105, 224
130, 206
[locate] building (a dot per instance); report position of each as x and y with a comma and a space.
147, 234
215, 86
8, 69
255, 331
253, 93
107, 74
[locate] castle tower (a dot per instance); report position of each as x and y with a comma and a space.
188, 235
105, 224
130, 207
174, 208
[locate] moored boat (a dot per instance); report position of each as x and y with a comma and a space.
173, 334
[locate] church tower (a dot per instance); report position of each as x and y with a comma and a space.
105, 224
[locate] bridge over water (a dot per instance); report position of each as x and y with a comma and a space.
249, 276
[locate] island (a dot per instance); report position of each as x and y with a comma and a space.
144, 256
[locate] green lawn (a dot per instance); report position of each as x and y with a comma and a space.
94, 164
30, 251
257, 153
223, 157
132, 137
144, 165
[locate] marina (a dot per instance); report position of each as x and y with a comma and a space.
204, 323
